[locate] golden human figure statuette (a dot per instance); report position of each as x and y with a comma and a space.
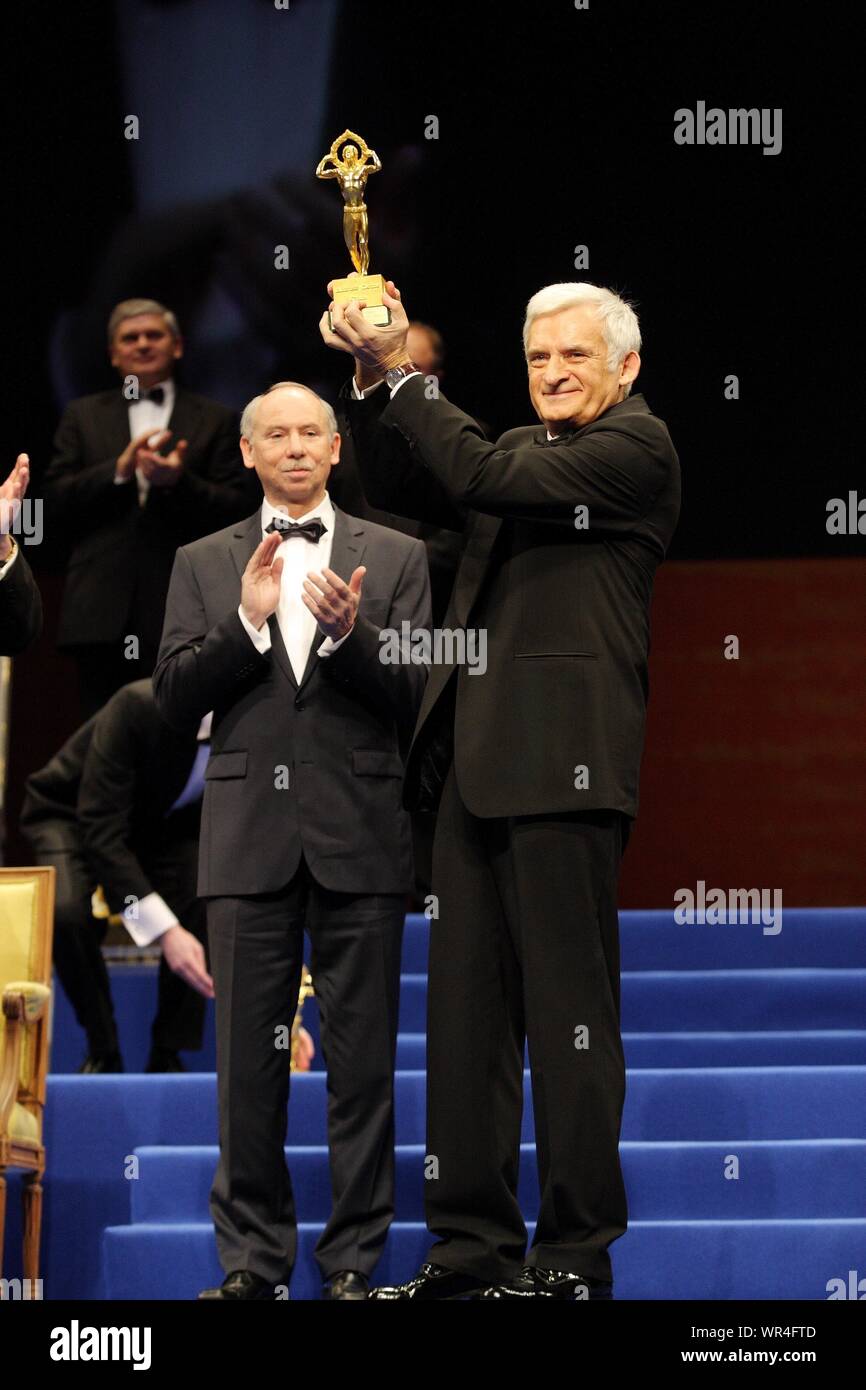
350, 161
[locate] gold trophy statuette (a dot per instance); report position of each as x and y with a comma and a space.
350, 161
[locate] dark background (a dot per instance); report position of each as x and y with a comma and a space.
556, 129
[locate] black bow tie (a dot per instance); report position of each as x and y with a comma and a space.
312, 530
157, 395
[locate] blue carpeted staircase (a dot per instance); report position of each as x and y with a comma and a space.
744, 1050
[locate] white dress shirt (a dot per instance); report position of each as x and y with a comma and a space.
153, 914
298, 626
145, 414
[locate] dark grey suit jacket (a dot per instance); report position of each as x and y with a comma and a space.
336, 737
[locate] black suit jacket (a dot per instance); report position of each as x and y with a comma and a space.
566, 610
336, 735
20, 608
120, 552
109, 791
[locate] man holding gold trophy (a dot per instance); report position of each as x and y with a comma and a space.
533, 764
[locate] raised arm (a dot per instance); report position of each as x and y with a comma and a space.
393, 477
615, 469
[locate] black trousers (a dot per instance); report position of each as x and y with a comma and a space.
179, 1019
256, 947
526, 946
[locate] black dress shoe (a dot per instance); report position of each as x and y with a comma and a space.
559, 1283
241, 1283
433, 1281
550, 1283
98, 1062
346, 1285
163, 1059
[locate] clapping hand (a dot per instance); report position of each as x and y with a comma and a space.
334, 602
11, 496
260, 584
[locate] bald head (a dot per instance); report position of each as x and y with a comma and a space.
248, 418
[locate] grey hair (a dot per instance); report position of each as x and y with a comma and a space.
248, 418
619, 322
130, 308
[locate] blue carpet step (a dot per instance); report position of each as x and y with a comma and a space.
685, 1000
806, 1048
777, 1178
99, 1119
655, 1260
651, 941
133, 990
715, 1000
93, 1124
792, 1047
827, 937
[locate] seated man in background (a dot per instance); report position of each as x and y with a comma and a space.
137, 471
20, 602
120, 805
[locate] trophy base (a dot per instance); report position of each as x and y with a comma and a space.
370, 288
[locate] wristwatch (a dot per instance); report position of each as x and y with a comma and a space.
395, 375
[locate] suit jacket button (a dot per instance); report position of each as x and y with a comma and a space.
299, 704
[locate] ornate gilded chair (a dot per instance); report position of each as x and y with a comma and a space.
26, 927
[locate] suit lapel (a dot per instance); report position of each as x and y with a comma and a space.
115, 423
280, 652
184, 418
347, 550
474, 564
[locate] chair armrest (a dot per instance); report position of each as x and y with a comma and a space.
24, 1003
25, 1000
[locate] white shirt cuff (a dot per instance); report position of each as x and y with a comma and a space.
6, 565
329, 645
261, 638
152, 919
361, 395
